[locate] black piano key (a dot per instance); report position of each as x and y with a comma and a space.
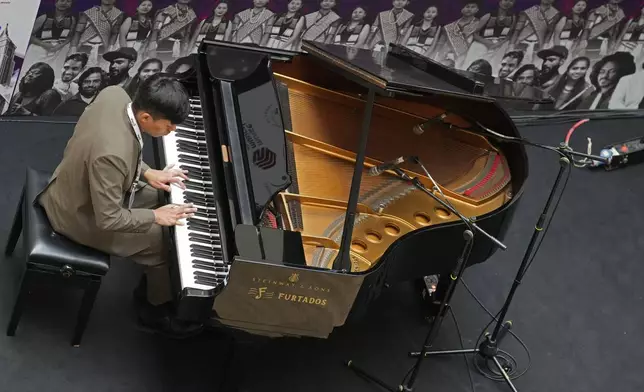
209, 264
193, 181
193, 125
202, 248
203, 237
205, 275
209, 225
199, 186
199, 203
192, 145
200, 160
208, 268
196, 195
206, 199
192, 186
208, 282
207, 253
202, 241
205, 240
189, 150
192, 162
204, 214
212, 222
191, 131
191, 135
210, 256
207, 256
196, 174
213, 278
203, 229
192, 120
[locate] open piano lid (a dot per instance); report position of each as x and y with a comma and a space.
404, 75
513, 96
389, 73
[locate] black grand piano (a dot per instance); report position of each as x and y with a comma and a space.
293, 236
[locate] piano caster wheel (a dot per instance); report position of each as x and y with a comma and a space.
67, 271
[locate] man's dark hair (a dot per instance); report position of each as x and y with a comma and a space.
91, 71
188, 60
82, 57
623, 60
526, 67
164, 97
516, 54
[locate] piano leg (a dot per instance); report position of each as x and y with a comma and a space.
238, 346
407, 384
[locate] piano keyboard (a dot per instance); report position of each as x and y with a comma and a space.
198, 244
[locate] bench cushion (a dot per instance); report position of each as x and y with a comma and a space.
45, 246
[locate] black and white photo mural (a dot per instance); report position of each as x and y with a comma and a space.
583, 54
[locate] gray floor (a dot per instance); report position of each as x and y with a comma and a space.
579, 309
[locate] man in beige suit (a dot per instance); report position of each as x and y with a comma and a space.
97, 196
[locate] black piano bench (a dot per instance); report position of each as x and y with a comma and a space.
50, 258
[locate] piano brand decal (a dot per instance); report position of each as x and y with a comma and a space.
264, 158
253, 140
293, 281
260, 293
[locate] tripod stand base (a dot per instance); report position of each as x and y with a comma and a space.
492, 362
490, 367
362, 373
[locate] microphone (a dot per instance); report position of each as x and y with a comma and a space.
419, 129
383, 167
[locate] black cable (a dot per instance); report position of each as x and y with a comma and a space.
547, 226
493, 319
460, 338
532, 256
541, 118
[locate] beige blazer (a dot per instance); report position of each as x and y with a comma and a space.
86, 196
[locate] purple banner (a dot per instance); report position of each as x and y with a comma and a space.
583, 54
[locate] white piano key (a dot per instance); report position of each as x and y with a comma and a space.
181, 233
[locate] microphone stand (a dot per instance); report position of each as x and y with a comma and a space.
488, 349
459, 269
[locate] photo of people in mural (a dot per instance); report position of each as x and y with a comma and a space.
14, 40
583, 54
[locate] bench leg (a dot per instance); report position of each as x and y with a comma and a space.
16, 228
16, 313
86, 308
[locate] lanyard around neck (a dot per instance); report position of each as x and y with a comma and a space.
135, 124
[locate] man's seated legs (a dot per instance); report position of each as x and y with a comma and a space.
155, 306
